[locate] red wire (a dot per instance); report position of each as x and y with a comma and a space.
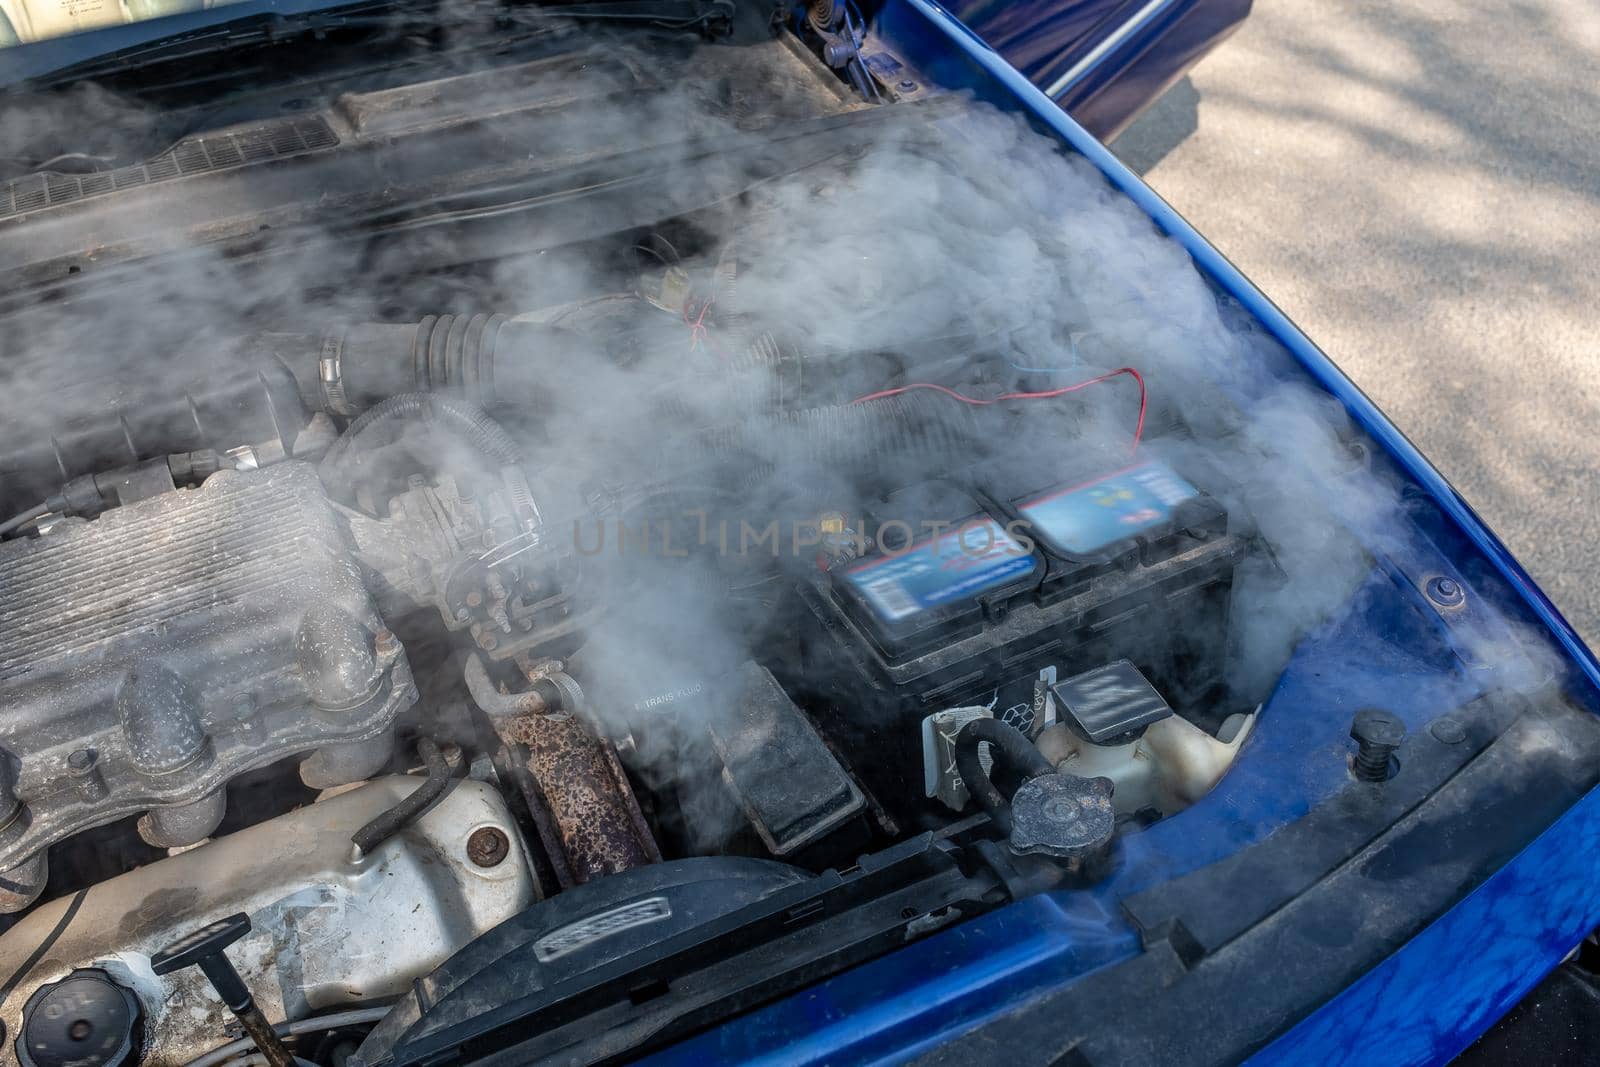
698, 331
1138, 430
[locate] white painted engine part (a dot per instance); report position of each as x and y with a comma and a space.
328, 930
1173, 763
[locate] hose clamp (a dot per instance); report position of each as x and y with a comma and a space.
330, 378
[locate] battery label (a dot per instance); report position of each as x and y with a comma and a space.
978, 555
1086, 518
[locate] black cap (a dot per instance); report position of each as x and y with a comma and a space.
84, 1020
1110, 705
1063, 816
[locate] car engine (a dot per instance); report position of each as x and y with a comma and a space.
356, 651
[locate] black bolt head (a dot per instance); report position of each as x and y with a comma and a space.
204, 943
1373, 726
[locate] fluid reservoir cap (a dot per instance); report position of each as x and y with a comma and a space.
84, 1020
1110, 705
1062, 815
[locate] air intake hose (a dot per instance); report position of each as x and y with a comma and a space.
484, 359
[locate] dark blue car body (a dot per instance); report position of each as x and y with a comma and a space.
1104, 61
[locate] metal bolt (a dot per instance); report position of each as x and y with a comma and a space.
474, 599
1377, 734
1445, 592
907, 86
385, 644
1448, 730
488, 846
84, 766
488, 642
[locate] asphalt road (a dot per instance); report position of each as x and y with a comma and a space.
1417, 184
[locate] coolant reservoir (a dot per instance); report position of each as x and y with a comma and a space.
1116, 726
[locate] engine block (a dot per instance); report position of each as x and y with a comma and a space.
151, 655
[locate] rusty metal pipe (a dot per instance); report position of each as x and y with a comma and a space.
557, 693
587, 817
596, 818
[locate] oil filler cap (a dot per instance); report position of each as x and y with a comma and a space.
84, 1020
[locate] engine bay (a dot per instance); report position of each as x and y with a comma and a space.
661, 499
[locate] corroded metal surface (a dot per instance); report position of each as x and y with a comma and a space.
488, 847
574, 776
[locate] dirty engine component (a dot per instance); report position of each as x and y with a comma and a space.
749, 603
152, 655
329, 930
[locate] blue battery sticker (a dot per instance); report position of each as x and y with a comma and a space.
975, 556
1086, 518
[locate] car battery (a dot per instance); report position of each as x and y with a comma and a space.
1135, 563
1134, 516
944, 561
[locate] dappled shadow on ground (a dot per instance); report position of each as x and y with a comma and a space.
1418, 185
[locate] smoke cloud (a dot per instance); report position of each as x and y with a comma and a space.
951, 244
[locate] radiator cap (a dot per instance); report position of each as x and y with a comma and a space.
1063, 816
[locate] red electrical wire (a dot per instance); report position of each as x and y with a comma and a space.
1138, 429
698, 331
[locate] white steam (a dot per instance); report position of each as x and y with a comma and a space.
958, 222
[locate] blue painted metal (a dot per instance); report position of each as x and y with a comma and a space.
1062, 47
1454, 978
1043, 38
1452, 981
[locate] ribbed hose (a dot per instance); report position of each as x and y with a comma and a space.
1007, 744
469, 424
762, 353
457, 352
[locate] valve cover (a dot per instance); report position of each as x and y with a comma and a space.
149, 656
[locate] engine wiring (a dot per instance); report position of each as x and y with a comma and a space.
699, 333
1043, 394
